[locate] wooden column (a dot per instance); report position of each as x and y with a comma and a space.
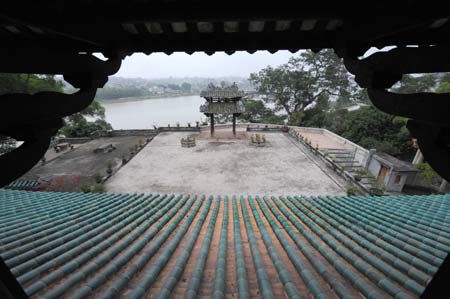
212, 123
234, 124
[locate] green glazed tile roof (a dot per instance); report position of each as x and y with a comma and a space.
78, 245
22, 184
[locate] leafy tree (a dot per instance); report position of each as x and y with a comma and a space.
111, 93
299, 84
257, 112
427, 174
372, 128
444, 84
186, 87
84, 128
94, 110
174, 86
24, 83
28, 83
224, 83
414, 84
316, 116
6, 144
78, 126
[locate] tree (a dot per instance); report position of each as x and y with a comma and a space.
372, 128
173, 86
78, 126
111, 93
28, 83
84, 128
94, 110
24, 83
6, 144
299, 84
257, 112
186, 87
415, 84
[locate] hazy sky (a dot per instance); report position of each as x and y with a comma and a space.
160, 65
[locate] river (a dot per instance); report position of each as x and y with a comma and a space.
143, 114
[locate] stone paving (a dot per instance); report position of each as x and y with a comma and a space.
228, 166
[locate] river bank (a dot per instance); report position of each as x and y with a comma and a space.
161, 111
148, 97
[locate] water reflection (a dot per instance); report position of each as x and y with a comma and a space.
144, 114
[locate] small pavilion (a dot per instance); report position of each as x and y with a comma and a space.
222, 100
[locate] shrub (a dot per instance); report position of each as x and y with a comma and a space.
326, 152
427, 174
109, 168
85, 188
377, 186
98, 178
98, 188
258, 138
363, 171
352, 190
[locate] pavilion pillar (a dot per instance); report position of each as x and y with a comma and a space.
212, 123
234, 124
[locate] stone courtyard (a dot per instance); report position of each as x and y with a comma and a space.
222, 166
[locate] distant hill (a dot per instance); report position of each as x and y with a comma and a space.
121, 87
197, 83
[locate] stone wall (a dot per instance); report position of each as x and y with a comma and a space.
360, 154
144, 132
78, 140
179, 129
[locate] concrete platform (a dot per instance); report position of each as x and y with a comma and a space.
229, 166
82, 161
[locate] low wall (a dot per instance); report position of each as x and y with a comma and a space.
78, 140
145, 132
263, 129
329, 162
360, 154
179, 129
245, 125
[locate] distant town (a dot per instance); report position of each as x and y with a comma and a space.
119, 88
